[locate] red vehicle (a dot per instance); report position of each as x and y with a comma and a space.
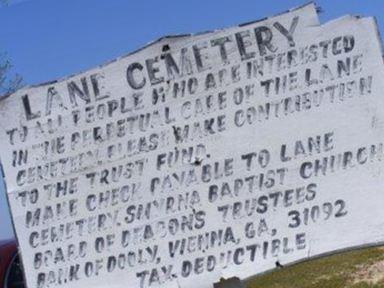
11, 275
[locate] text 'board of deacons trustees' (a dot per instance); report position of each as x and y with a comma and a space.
201, 157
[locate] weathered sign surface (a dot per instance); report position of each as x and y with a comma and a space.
200, 157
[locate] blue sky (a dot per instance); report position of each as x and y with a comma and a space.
48, 39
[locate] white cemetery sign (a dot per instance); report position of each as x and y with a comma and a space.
201, 157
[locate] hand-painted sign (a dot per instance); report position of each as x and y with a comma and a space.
200, 157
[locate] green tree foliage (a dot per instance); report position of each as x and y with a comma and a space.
9, 82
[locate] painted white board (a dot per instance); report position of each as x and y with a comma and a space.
201, 157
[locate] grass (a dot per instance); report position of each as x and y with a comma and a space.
356, 269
